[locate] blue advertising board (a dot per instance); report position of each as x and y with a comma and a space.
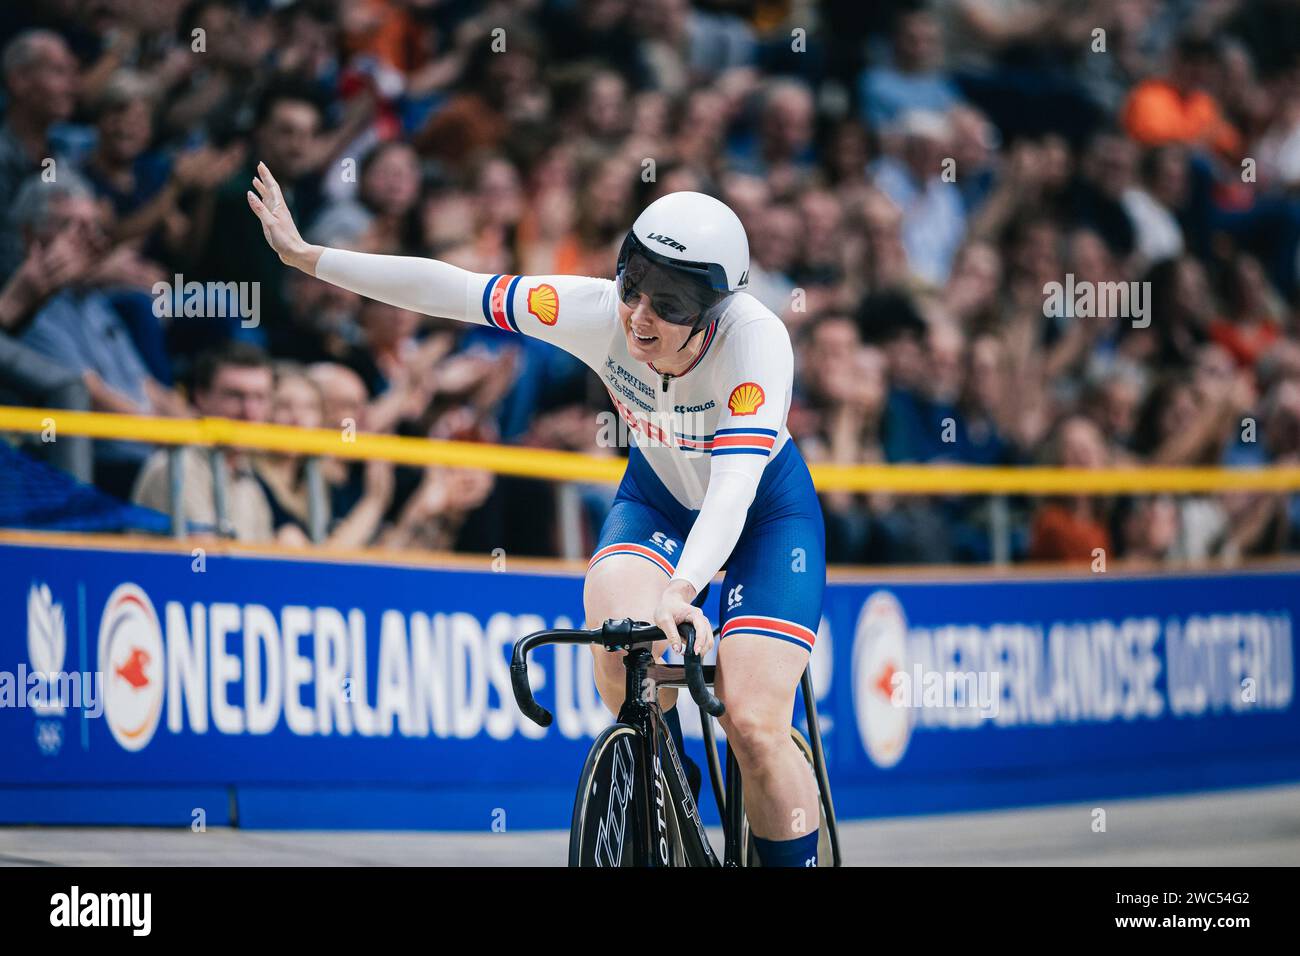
277, 691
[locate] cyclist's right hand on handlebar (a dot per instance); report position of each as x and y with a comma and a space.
675, 607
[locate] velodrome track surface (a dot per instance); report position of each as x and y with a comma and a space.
1255, 827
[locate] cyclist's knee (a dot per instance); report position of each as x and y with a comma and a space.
621, 586
754, 731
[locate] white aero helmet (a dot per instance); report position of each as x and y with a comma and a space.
688, 252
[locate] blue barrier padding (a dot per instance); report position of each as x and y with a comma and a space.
315, 694
115, 806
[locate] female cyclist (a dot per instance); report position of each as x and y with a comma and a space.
701, 373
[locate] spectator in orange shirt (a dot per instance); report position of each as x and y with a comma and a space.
385, 30
1255, 314
1180, 108
1072, 529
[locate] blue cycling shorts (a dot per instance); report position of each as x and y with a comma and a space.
776, 574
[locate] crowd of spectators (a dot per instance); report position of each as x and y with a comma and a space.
913, 177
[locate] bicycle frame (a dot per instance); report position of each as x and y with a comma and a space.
641, 710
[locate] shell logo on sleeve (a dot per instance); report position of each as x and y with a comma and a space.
746, 398
544, 303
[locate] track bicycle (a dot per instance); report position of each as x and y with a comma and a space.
634, 806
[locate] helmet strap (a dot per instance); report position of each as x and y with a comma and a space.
694, 331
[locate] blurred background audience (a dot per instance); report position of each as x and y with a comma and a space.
914, 177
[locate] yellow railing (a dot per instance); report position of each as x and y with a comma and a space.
570, 466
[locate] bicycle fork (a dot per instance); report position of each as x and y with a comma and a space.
652, 799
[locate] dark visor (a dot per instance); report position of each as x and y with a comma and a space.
679, 291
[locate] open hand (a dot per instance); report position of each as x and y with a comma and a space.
277, 223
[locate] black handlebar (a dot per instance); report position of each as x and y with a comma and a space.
519, 679
613, 635
700, 692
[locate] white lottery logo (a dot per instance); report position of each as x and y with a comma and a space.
880, 652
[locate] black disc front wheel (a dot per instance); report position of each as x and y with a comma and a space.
607, 812
605, 829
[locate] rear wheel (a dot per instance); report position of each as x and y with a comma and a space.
750, 855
